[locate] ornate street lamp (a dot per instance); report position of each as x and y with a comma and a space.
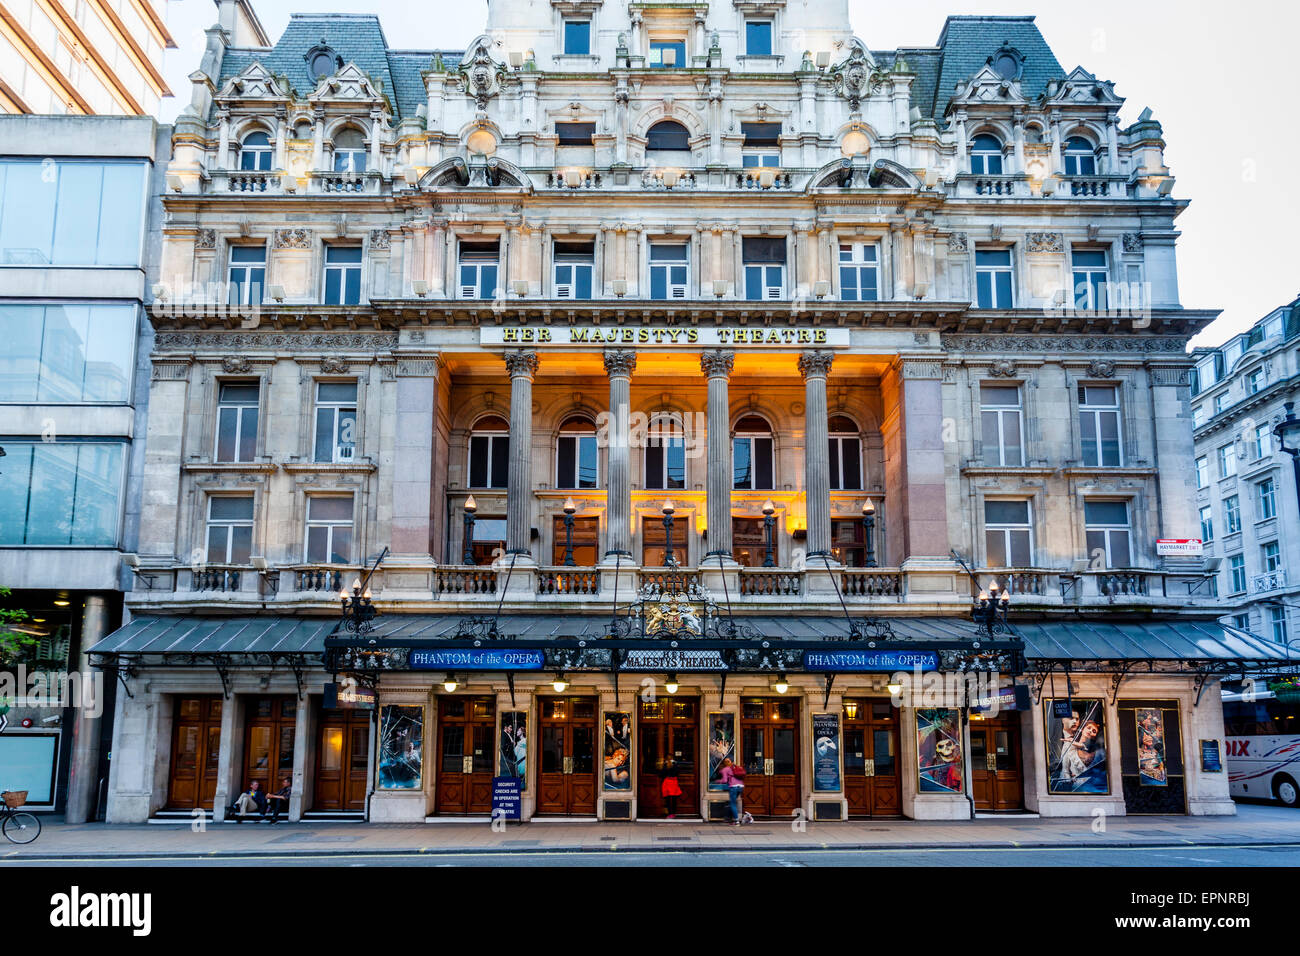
668, 510
569, 509
769, 530
990, 610
782, 683
471, 506
869, 529
1288, 437
358, 612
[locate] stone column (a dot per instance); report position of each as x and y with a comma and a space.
815, 366
717, 365
223, 139
522, 366
83, 774
413, 505
619, 365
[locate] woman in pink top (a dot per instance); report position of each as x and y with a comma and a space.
734, 787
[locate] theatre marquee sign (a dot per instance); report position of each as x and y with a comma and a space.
765, 337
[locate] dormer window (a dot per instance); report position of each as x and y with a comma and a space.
986, 155
322, 61
255, 152
1080, 158
1007, 63
349, 152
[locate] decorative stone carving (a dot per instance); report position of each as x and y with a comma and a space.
1003, 368
1100, 368
481, 76
815, 363
379, 239
522, 362
1045, 242
921, 368
1063, 343
852, 78
1175, 376
958, 242
1132, 242
620, 362
235, 365
333, 365
717, 363
289, 341
173, 370
293, 238
206, 239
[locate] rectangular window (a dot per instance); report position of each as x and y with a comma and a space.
575, 134
1227, 460
758, 37
751, 458
669, 270
329, 529
70, 353
336, 421
575, 263
665, 458
480, 264
764, 261
1271, 556
577, 37
489, 461
247, 275
489, 542
237, 411
994, 279
654, 543
230, 529
1000, 425
1266, 499
1255, 381
1202, 472
1237, 573
1241, 622
762, 145
1277, 623
859, 272
846, 463
586, 542
1008, 535
1200, 415
61, 493
667, 53
1262, 446
1099, 425
1207, 525
576, 461
342, 275
1108, 532
1232, 514
1221, 402
1091, 278
71, 212
849, 542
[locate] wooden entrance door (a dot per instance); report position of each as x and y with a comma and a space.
270, 725
342, 760
566, 779
466, 751
769, 748
871, 778
669, 730
196, 746
996, 782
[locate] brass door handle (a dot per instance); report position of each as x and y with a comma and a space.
568, 765
467, 764
869, 768
769, 766
991, 761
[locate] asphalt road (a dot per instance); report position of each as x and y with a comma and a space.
1189, 856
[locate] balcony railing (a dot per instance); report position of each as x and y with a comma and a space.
466, 580
1268, 581
770, 582
1123, 584
871, 582
568, 581
321, 580
665, 578
249, 181
214, 578
1018, 582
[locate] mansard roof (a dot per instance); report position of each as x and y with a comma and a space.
966, 44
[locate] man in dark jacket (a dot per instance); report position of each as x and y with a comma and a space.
278, 802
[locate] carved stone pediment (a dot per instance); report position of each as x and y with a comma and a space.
352, 85
254, 82
480, 75
1082, 88
988, 86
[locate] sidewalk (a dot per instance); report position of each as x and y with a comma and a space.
1253, 825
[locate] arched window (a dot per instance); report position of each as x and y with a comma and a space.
489, 453
751, 455
846, 455
255, 152
576, 464
349, 152
668, 135
665, 454
986, 155
1080, 157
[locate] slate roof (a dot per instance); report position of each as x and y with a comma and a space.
967, 42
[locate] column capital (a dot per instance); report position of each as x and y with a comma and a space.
620, 362
717, 363
522, 363
816, 363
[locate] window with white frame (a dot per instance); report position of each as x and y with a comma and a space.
1199, 415
1265, 499
845, 454
1221, 401
986, 155
1241, 622
1091, 279
230, 529
247, 275
751, 455
1277, 623
336, 422
577, 37
255, 152
574, 264
1107, 528
342, 275
1080, 157
479, 269
1231, 514
764, 261
1202, 472
758, 37
1255, 380
1227, 460
576, 463
1261, 445
1207, 524
349, 152
669, 270
859, 271
329, 529
1099, 427
1270, 556
489, 453
994, 279
1237, 573
237, 410
1008, 534
1000, 425
665, 454
762, 145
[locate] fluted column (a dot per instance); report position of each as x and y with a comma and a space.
814, 367
619, 365
522, 365
717, 365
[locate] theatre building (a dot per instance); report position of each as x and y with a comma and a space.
673, 382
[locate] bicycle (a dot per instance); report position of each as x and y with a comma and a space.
18, 826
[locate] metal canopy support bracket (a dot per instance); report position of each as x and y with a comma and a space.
826, 701
1118, 679
296, 664
224, 670
510, 682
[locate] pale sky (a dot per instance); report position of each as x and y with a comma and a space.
1220, 79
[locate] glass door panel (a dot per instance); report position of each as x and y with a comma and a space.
752, 750
483, 752
883, 748
855, 751
331, 759
683, 750
783, 750
1002, 750
453, 749
553, 749
584, 748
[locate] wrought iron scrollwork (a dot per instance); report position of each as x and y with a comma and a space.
871, 629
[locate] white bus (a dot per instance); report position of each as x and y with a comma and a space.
1263, 747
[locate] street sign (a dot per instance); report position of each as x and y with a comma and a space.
477, 659
1179, 547
849, 662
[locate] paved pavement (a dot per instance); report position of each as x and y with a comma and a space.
1254, 825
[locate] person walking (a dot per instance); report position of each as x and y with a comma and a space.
734, 777
670, 788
